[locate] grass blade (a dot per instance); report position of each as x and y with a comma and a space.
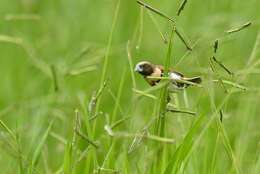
236, 85
239, 28
228, 146
17, 17
157, 27
177, 80
104, 70
118, 97
218, 76
181, 8
38, 150
106, 59
84, 137
130, 61
222, 65
182, 111
54, 78
215, 46
133, 135
117, 123
67, 162
36, 62
83, 70
169, 19
143, 93
183, 149
164, 92
154, 10
141, 29
10, 132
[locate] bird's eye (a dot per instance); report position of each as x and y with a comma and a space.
139, 68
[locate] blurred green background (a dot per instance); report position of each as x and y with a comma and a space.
62, 44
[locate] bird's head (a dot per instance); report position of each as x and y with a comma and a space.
144, 68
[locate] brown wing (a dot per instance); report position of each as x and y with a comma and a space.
157, 72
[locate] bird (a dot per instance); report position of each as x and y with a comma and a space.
147, 69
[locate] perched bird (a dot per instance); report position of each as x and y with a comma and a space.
147, 69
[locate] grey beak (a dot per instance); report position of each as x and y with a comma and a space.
136, 68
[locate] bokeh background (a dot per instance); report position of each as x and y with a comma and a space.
52, 55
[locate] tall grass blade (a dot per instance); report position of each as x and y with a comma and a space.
68, 160
38, 150
228, 146
130, 61
184, 148
164, 91
119, 94
105, 65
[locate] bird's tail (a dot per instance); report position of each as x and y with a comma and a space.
196, 80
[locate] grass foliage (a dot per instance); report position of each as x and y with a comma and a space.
70, 101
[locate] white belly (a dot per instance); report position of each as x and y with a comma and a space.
174, 76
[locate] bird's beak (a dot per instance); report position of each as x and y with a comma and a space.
138, 68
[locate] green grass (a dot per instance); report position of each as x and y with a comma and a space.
70, 101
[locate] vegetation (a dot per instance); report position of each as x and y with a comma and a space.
70, 101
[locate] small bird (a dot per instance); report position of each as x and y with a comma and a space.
147, 69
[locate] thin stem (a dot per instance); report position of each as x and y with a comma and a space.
169, 19
239, 28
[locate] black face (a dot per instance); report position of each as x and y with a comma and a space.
145, 69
